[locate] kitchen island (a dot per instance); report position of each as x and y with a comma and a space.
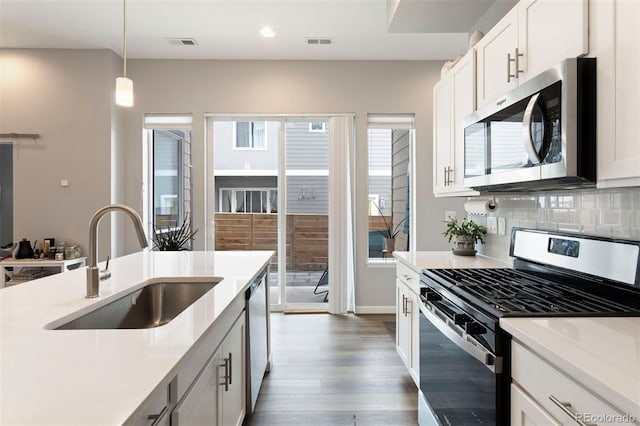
93, 377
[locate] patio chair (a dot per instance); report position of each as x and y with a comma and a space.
323, 281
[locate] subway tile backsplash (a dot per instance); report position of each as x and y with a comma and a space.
604, 212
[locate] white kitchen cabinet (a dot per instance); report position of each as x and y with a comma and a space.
407, 319
543, 393
217, 396
533, 36
526, 412
232, 396
614, 40
453, 100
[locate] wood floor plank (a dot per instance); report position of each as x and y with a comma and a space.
335, 370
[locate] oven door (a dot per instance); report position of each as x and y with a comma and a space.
459, 377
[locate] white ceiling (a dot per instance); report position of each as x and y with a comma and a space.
229, 29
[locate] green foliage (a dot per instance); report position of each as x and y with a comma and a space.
173, 239
467, 228
390, 231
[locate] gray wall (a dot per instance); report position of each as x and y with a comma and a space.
400, 184
227, 158
298, 87
67, 97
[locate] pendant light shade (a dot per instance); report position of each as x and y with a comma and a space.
124, 85
124, 91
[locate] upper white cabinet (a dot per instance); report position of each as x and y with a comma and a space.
533, 36
614, 39
453, 99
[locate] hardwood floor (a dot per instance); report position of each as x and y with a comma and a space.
334, 370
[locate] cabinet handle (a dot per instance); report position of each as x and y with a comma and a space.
449, 179
404, 305
445, 175
225, 383
407, 277
157, 416
230, 369
516, 61
568, 410
518, 56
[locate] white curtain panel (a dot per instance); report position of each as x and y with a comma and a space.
341, 253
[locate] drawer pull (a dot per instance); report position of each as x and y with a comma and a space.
158, 416
407, 277
569, 411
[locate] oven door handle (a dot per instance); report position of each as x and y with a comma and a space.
464, 341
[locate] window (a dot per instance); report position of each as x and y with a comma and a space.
390, 140
250, 135
169, 170
248, 200
318, 127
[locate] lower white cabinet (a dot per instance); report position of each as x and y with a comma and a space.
217, 396
543, 394
526, 412
407, 319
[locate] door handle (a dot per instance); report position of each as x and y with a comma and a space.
230, 369
225, 377
516, 61
527, 139
569, 411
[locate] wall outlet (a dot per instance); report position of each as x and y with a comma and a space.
492, 225
449, 214
502, 226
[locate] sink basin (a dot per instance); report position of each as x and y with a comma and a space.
150, 306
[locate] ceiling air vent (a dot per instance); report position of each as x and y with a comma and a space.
319, 40
182, 41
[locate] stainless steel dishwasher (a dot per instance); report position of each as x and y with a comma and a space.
257, 337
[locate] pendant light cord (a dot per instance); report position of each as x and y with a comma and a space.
124, 42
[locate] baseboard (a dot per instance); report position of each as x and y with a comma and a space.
375, 309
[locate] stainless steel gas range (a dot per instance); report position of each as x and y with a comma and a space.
465, 355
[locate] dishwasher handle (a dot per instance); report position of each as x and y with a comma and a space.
255, 285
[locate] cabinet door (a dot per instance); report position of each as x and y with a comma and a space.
403, 324
200, 405
550, 31
233, 398
442, 134
414, 338
493, 66
615, 37
525, 411
464, 103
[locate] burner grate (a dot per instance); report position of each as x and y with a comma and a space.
509, 291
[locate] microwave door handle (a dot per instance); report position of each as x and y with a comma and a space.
526, 130
464, 342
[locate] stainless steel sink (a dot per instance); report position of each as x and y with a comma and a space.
150, 306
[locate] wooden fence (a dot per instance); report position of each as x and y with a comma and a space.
307, 236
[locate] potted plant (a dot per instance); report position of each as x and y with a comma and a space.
464, 235
173, 238
390, 232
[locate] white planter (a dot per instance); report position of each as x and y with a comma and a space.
463, 245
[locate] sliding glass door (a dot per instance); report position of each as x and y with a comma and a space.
268, 189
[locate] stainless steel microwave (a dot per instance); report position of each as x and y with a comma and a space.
541, 135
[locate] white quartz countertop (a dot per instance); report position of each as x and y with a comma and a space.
603, 354
419, 260
91, 377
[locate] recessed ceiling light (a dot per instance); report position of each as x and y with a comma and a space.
267, 32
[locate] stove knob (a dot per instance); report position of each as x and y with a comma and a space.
461, 319
431, 295
474, 328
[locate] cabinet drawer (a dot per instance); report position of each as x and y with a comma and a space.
545, 383
408, 276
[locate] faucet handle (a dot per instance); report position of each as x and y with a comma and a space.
105, 273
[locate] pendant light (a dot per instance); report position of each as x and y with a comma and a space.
124, 86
